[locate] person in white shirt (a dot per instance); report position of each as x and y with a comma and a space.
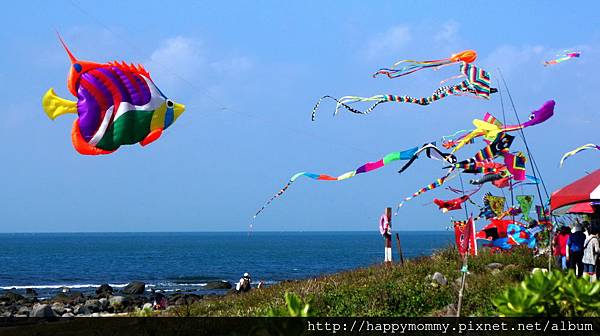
244, 284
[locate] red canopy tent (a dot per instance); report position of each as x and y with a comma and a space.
584, 190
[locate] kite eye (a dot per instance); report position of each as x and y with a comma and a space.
532, 116
170, 103
77, 67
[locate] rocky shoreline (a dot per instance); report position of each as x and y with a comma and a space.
105, 302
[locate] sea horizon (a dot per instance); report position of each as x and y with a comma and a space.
187, 261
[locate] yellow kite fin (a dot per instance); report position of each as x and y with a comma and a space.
55, 106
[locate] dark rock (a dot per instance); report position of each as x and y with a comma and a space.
81, 310
105, 290
136, 287
11, 297
31, 292
93, 305
218, 285
495, 265
71, 298
42, 310
439, 278
103, 303
184, 299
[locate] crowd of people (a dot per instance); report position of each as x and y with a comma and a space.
578, 249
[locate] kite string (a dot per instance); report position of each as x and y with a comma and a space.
522, 133
510, 180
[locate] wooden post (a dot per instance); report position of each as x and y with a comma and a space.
399, 249
388, 236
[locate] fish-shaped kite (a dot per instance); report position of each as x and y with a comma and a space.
117, 104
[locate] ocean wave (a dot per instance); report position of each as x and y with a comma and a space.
61, 286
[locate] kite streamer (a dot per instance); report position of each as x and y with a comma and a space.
577, 150
440, 181
564, 57
477, 83
432, 152
467, 56
118, 104
367, 167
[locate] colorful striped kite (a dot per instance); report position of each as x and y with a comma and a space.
577, 150
477, 83
367, 167
563, 57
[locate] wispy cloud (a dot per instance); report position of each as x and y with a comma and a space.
390, 42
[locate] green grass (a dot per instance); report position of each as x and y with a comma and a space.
385, 290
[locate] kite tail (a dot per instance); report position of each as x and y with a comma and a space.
414, 67
279, 193
344, 101
428, 187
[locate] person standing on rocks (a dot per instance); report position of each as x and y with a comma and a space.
244, 284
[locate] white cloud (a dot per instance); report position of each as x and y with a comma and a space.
448, 33
390, 42
177, 57
512, 58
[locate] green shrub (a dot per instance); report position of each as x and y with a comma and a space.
550, 294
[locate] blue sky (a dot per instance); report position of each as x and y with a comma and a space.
249, 74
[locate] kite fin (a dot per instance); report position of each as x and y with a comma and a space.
151, 137
55, 106
82, 146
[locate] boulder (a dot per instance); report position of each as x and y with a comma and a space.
495, 265
184, 299
147, 305
120, 301
6, 314
31, 292
103, 303
219, 284
93, 305
439, 278
11, 297
67, 315
24, 310
104, 290
42, 310
58, 308
71, 297
133, 288
81, 310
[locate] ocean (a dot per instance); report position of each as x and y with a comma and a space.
186, 261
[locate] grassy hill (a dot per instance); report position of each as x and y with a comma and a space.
386, 290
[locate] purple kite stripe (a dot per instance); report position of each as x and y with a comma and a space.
116, 83
137, 97
89, 113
